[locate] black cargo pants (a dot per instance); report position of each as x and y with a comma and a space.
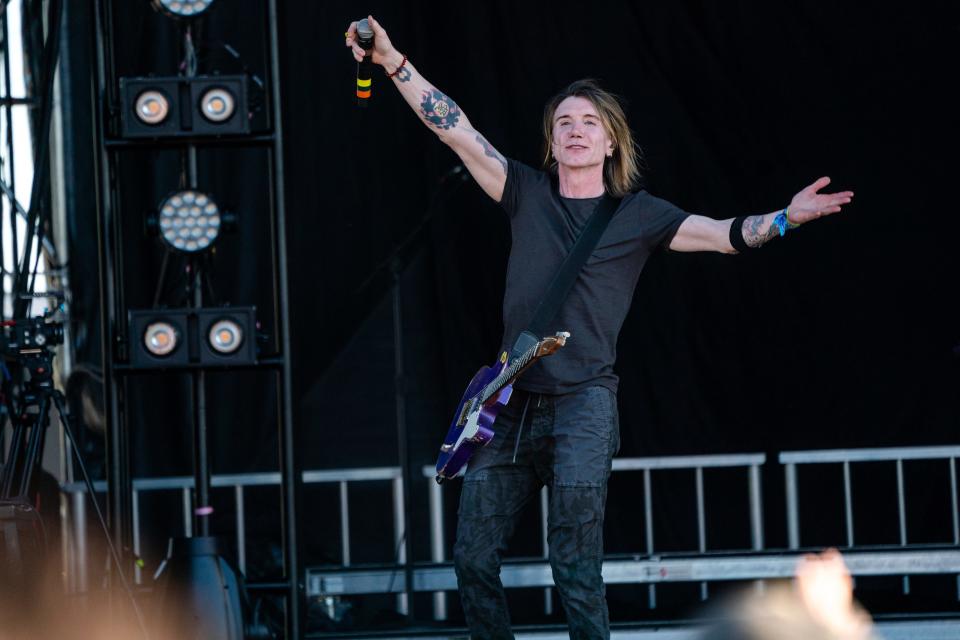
565, 442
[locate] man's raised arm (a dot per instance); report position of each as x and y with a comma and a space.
699, 233
438, 111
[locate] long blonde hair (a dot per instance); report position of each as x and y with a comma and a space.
621, 172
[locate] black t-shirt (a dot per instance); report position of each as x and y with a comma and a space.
543, 232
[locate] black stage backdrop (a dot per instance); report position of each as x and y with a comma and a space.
844, 334
840, 335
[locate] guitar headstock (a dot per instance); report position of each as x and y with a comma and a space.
548, 346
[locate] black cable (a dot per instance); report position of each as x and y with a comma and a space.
163, 276
188, 66
9, 140
49, 57
65, 419
396, 560
18, 209
36, 260
48, 272
208, 280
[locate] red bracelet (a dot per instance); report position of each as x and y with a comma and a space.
397, 70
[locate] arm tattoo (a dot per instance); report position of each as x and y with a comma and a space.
752, 233
493, 153
404, 75
439, 110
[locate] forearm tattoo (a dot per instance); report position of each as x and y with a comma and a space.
404, 75
754, 234
491, 152
439, 110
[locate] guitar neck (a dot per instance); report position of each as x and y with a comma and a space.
509, 373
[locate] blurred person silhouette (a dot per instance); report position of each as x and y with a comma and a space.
31, 564
817, 604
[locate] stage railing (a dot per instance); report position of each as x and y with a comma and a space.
700, 565
750, 461
847, 457
77, 561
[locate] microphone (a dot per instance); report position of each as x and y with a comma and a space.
365, 67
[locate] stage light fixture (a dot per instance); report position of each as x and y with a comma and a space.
182, 107
198, 593
220, 105
217, 105
178, 338
182, 8
229, 333
152, 107
225, 336
189, 221
161, 338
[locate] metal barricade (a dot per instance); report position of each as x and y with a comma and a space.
750, 461
239, 482
846, 457
699, 566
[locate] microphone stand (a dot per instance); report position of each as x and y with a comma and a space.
395, 263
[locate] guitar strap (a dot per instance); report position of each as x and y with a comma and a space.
567, 274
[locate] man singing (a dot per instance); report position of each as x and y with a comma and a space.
560, 428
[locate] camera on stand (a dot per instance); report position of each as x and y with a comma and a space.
29, 336
28, 395
30, 342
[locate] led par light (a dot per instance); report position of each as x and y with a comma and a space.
161, 338
226, 335
158, 338
182, 8
180, 338
219, 105
189, 221
151, 107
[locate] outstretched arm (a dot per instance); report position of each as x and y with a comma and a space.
437, 110
699, 233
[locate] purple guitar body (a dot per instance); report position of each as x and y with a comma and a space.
476, 430
487, 393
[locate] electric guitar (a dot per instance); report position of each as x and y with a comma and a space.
489, 390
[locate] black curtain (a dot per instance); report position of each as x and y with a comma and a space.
842, 334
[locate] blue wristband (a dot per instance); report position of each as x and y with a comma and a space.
781, 222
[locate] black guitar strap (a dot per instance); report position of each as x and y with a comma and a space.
566, 275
